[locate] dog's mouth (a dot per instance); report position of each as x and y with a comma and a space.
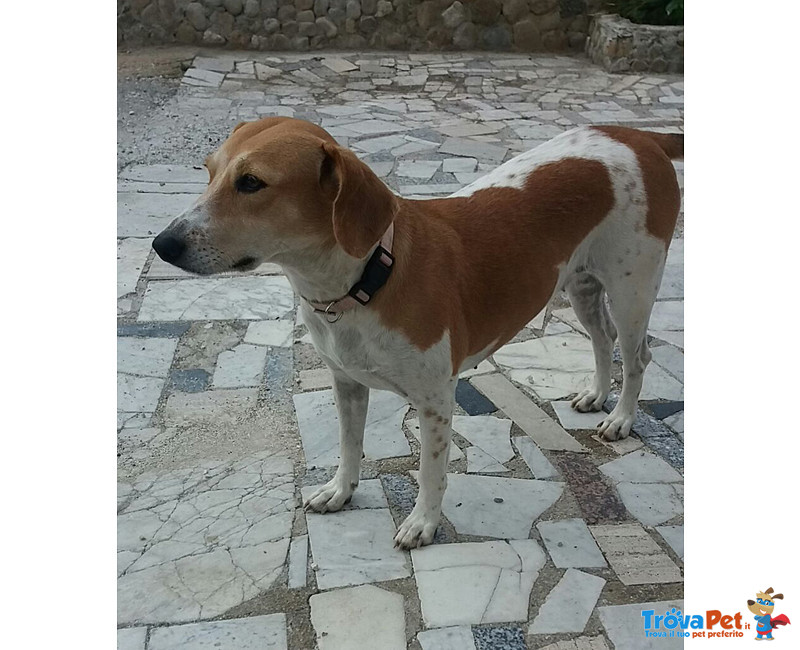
245, 264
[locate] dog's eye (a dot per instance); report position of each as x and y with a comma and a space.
249, 184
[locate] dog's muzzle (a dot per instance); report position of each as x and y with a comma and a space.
169, 247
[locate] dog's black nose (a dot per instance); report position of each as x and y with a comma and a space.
169, 247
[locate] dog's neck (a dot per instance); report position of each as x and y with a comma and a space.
323, 275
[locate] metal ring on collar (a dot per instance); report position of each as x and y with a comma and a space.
328, 313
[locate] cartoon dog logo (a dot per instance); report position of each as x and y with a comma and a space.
762, 607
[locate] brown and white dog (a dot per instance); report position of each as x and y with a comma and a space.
592, 211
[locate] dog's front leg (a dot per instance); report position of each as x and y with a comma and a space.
435, 421
352, 400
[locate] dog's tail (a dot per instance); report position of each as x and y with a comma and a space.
670, 143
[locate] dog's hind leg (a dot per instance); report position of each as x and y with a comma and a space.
631, 294
587, 296
435, 420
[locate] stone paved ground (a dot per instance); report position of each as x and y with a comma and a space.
550, 538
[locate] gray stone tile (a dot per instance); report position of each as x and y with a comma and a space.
319, 427
424, 169
218, 298
499, 637
217, 64
669, 358
240, 367
193, 543
634, 555
315, 379
493, 506
447, 638
132, 254
487, 432
479, 462
476, 582
413, 426
131, 638
553, 366
521, 409
675, 422
252, 633
145, 357
482, 368
298, 562
570, 544
474, 149
658, 384
462, 165
667, 316
534, 458
275, 333
368, 494
138, 394
640, 467
652, 503
569, 605
368, 556
572, 419
623, 624
165, 173
673, 535
359, 617
190, 381
146, 215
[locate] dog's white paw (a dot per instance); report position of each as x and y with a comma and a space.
331, 496
417, 530
589, 399
617, 425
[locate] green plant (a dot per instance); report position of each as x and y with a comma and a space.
650, 12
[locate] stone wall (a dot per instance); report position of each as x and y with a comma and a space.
512, 25
621, 46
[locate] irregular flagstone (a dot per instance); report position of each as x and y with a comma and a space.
471, 400
479, 462
253, 633
553, 366
572, 419
621, 447
673, 535
455, 450
193, 543
138, 394
298, 562
132, 254
131, 638
534, 458
499, 637
569, 605
481, 369
641, 467
669, 358
276, 333
240, 367
489, 433
623, 624
659, 384
359, 617
634, 555
319, 427
165, 173
145, 357
218, 298
598, 501
474, 149
447, 638
530, 418
476, 582
667, 316
145, 215
369, 554
570, 544
315, 379
652, 503
368, 494
497, 507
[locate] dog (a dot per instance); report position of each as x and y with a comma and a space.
763, 608
403, 295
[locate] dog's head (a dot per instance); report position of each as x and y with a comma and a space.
278, 187
765, 603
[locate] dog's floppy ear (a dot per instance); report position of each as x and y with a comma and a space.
237, 127
363, 206
778, 597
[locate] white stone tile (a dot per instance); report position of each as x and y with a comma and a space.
479, 462
319, 427
424, 169
369, 554
131, 638
209, 407
471, 504
474, 149
455, 451
276, 333
359, 617
670, 359
298, 562
374, 145
652, 503
621, 447
641, 467
675, 422
447, 638
534, 458
569, 317
667, 316
315, 379
240, 367
132, 254
338, 64
569, 605
218, 298
476, 582
482, 368
674, 338
673, 535
672, 280
147, 214
466, 165
530, 418
375, 127
658, 384
252, 633
195, 542
624, 626
570, 544
553, 366
634, 555
165, 173
145, 357
487, 432
138, 394
572, 419
368, 494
